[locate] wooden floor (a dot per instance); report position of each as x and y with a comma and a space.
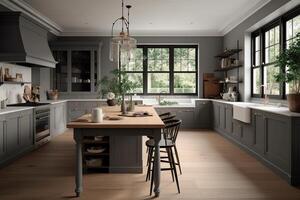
213, 168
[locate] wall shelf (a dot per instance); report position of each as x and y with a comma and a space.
228, 68
230, 82
228, 53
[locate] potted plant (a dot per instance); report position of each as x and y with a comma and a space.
119, 84
288, 62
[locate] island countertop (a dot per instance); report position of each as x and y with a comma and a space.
153, 121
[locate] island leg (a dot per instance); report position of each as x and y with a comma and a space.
157, 137
78, 175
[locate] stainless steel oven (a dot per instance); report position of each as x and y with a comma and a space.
41, 121
42, 125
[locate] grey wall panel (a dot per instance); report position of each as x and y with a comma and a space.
208, 48
238, 33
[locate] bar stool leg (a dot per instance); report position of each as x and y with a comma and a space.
175, 170
169, 160
177, 158
149, 161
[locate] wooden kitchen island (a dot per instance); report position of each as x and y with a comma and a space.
125, 134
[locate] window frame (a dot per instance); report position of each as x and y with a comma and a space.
281, 22
171, 71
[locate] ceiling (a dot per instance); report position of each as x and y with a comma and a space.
148, 17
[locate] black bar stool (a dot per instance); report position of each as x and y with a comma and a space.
170, 133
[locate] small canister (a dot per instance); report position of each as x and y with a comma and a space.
97, 115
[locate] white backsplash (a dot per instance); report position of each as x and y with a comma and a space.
14, 92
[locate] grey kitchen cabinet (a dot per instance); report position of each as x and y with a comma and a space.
58, 118
222, 112
216, 115
258, 121
270, 137
186, 114
278, 140
76, 109
228, 119
12, 133
16, 135
203, 114
26, 129
78, 68
237, 132
2, 138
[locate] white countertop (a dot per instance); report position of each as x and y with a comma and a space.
282, 110
14, 109
268, 108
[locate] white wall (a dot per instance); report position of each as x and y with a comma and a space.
14, 92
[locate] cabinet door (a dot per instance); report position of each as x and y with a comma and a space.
237, 131
278, 140
12, 133
258, 132
203, 114
26, 132
81, 70
2, 140
187, 117
216, 112
222, 118
228, 119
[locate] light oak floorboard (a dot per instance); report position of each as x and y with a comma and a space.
213, 169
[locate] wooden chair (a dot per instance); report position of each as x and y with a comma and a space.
170, 133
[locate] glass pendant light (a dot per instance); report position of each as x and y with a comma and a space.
122, 46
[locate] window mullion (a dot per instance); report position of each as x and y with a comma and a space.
262, 61
171, 69
145, 70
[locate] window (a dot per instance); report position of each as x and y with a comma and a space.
292, 28
167, 69
134, 70
266, 45
185, 70
158, 70
271, 51
256, 72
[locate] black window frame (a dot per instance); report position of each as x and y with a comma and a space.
281, 21
171, 71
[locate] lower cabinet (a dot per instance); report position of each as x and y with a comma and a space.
216, 115
2, 138
268, 136
76, 109
187, 115
16, 134
258, 121
203, 114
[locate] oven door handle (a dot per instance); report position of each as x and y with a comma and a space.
44, 117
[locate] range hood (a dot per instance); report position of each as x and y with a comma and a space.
23, 41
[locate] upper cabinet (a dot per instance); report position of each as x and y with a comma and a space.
78, 67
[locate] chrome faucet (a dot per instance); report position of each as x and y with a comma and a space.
159, 97
266, 97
